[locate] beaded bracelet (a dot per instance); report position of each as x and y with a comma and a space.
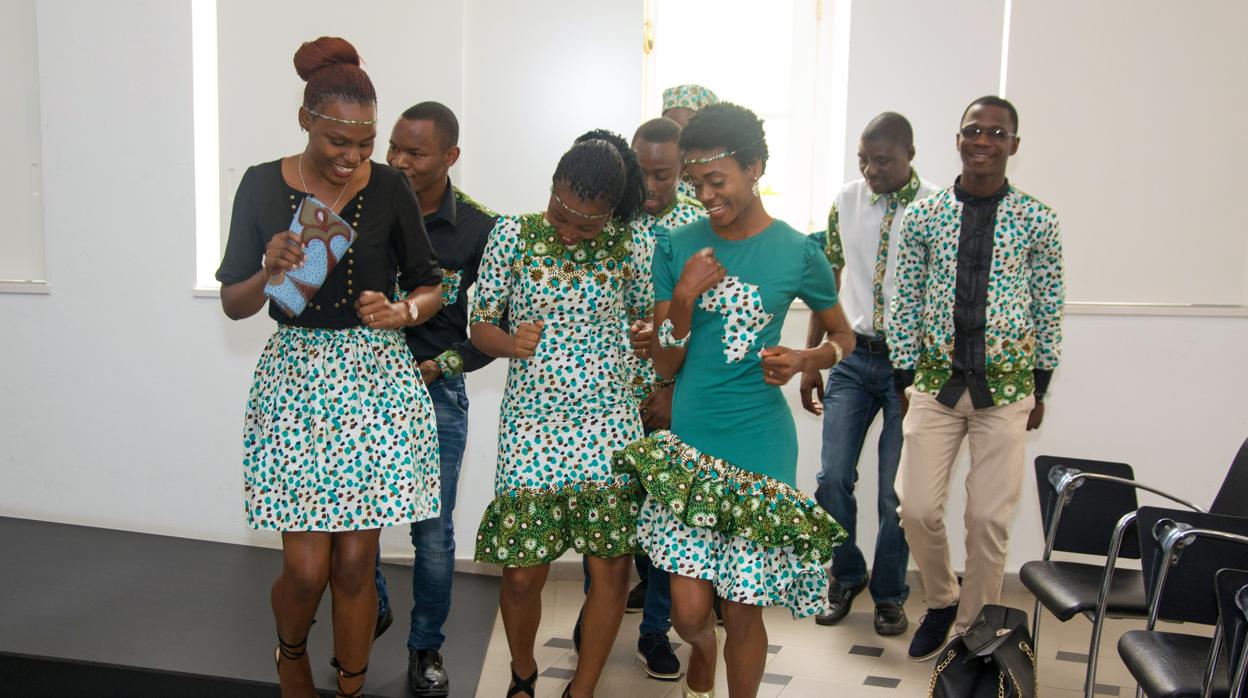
667, 340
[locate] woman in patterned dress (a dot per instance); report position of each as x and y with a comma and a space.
566, 278
722, 515
339, 437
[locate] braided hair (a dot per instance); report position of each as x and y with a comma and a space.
601, 165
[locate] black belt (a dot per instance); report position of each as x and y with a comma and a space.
873, 345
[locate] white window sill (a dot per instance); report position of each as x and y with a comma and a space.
39, 288
206, 291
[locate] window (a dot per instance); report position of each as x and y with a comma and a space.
21, 181
785, 61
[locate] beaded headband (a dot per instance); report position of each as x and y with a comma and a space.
569, 209
349, 122
713, 158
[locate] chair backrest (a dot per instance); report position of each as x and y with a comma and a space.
1088, 521
1232, 499
1189, 594
1231, 584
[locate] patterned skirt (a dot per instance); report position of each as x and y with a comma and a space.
340, 433
756, 539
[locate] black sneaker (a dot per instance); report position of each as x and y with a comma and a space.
840, 600
383, 623
890, 619
636, 598
932, 633
655, 651
426, 676
576, 631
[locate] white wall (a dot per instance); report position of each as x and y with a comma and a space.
123, 395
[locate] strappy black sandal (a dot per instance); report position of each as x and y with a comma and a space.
292, 652
519, 685
344, 674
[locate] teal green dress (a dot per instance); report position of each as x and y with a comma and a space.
722, 505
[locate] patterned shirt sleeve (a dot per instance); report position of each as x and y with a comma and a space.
832, 246
639, 291
905, 325
1048, 289
494, 281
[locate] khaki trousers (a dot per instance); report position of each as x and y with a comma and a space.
933, 435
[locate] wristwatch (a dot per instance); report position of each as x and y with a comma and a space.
413, 310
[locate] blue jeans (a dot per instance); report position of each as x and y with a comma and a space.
434, 539
656, 613
859, 388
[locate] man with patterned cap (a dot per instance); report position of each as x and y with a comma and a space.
681, 102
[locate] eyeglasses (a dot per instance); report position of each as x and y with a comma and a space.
996, 133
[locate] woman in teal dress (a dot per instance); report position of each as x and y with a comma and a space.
567, 278
723, 515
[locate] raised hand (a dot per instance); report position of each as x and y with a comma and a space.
639, 335
283, 253
701, 273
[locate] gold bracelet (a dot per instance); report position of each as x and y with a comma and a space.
840, 352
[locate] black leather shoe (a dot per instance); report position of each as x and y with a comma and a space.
383, 623
636, 598
840, 600
932, 633
426, 676
890, 619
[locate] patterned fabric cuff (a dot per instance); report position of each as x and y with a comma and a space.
712, 493
529, 528
666, 340
450, 363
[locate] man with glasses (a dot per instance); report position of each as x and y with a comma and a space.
974, 335
861, 245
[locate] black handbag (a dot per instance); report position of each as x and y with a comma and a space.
992, 659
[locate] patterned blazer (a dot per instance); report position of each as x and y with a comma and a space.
1026, 293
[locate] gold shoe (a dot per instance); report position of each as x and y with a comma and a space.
690, 693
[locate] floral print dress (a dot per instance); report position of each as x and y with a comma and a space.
567, 409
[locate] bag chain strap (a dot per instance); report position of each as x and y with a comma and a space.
931, 686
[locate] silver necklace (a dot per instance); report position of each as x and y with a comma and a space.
333, 206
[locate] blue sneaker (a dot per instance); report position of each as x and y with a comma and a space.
932, 632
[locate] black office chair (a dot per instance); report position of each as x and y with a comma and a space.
1182, 552
1096, 522
1232, 588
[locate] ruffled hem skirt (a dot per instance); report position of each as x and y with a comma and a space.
532, 527
756, 539
340, 433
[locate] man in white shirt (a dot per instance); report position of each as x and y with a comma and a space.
861, 244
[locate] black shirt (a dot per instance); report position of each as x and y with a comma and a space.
391, 243
458, 230
970, 307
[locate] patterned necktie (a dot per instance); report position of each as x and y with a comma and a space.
881, 264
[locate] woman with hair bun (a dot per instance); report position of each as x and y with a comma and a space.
566, 278
722, 514
339, 437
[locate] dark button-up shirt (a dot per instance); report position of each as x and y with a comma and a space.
458, 231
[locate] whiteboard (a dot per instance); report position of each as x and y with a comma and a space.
1132, 127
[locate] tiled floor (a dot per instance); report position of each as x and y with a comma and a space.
806, 660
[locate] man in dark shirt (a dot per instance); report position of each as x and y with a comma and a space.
424, 146
974, 336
